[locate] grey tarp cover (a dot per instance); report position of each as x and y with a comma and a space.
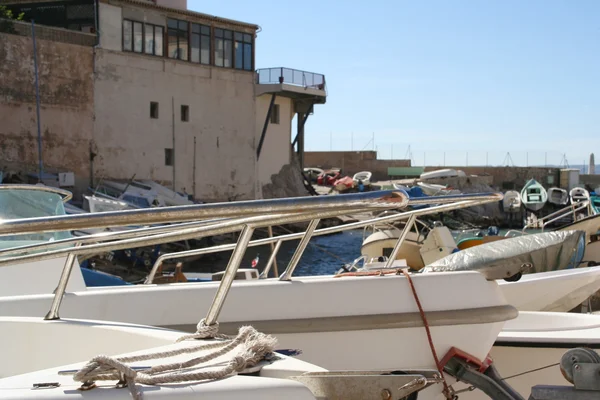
546, 251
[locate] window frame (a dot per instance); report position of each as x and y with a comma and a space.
185, 113
145, 27
152, 103
246, 39
178, 30
224, 33
154, 27
169, 155
202, 29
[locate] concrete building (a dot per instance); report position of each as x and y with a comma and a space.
176, 97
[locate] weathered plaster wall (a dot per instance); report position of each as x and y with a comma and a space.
276, 149
222, 118
66, 113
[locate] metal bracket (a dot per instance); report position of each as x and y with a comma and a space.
488, 382
586, 376
545, 392
367, 385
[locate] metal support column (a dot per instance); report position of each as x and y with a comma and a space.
265, 126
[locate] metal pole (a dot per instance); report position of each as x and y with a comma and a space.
273, 250
272, 259
229, 275
62, 286
194, 171
407, 228
376, 200
37, 103
287, 274
173, 129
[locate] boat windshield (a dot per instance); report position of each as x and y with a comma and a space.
27, 203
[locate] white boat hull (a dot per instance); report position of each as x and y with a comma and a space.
34, 351
511, 201
558, 291
321, 316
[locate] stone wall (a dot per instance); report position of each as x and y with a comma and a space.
66, 106
508, 178
352, 162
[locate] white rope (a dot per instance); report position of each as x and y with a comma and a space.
254, 346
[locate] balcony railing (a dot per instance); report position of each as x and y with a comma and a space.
291, 77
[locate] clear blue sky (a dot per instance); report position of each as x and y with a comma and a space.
443, 76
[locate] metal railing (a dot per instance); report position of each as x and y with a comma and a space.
570, 210
291, 77
242, 217
50, 33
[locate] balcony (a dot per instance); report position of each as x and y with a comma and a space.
292, 83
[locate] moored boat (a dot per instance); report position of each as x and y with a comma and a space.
579, 194
558, 196
533, 195
511, 202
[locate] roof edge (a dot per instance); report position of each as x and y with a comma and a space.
185, 12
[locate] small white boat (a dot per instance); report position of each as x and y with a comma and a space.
440, 173
533, 195
364, 176
312, 173
511, 202
578, 194
558, 196
166, 196
432, 189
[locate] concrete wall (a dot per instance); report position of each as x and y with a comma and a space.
591, 181
352, 162
222, 118
507, 178
66, 113
276, 149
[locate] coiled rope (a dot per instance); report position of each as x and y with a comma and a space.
254, 347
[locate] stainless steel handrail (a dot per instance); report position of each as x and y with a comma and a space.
474, 201
557, 215
106, 236
242, 217
370, 200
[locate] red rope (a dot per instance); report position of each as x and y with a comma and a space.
426, 324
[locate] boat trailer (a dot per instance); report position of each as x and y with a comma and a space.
580, 366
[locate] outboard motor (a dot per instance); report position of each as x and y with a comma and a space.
493, 231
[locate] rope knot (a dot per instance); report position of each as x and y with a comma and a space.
238, 363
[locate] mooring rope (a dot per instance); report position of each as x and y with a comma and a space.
438, 365
254, 345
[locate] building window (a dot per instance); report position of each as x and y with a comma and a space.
243, 51
275, 114
223, 48
154, 109
200, 44
185, 113
178, 39
133, 38
127, 35
169, 157
138, 39
142, 38
153, 43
